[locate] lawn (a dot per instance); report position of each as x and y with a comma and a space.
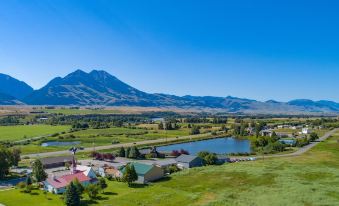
310, 179
13, 133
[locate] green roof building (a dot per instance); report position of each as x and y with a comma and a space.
146, 173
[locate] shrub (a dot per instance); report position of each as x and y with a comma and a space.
173, 169
21, 185
92, 190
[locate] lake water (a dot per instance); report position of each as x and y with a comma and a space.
55, 143
219, 146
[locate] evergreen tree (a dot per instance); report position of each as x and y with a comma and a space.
130, 175
72, 197
274, 136
102, 183
122, 152
160, 126
127, 152
79, 187
28, 180
134, 153
38, 172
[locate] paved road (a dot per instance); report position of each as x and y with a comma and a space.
114, 146
306, 148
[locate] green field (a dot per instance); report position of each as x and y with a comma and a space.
310, 179
13, 133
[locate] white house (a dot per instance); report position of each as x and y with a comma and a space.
305, 131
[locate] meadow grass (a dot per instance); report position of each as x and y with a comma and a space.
13, 133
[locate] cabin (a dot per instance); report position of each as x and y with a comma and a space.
189, 161
146, 173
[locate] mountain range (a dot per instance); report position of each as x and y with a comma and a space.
101, 88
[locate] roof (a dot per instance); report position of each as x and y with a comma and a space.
141, 169
145, 151
83, 169
165, 162
111, 171
63, 181
53, 160
186, 158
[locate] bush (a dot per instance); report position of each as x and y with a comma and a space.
173, 169
149, 156
92, 190
21, 185
28, 189
109, 177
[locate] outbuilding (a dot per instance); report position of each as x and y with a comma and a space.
53, 162
189, 161
146, 173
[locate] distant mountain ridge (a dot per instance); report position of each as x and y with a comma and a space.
14, 87
100, 88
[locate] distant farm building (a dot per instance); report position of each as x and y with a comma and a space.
53, 162
189, 161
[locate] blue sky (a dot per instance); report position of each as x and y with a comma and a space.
261, 50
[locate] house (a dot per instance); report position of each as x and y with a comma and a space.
85, 175
53, 162
57, 185
88, 171
146, 173
305, 131
189, 161
152, 152
266, 132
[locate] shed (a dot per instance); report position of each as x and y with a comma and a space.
53, 162
189, 161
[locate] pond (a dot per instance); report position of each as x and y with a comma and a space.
55, 143
219, 146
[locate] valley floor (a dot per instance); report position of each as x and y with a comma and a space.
308, 179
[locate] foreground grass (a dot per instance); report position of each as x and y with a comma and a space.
13, 133
310, 179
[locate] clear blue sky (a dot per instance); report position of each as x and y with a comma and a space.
256, 49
